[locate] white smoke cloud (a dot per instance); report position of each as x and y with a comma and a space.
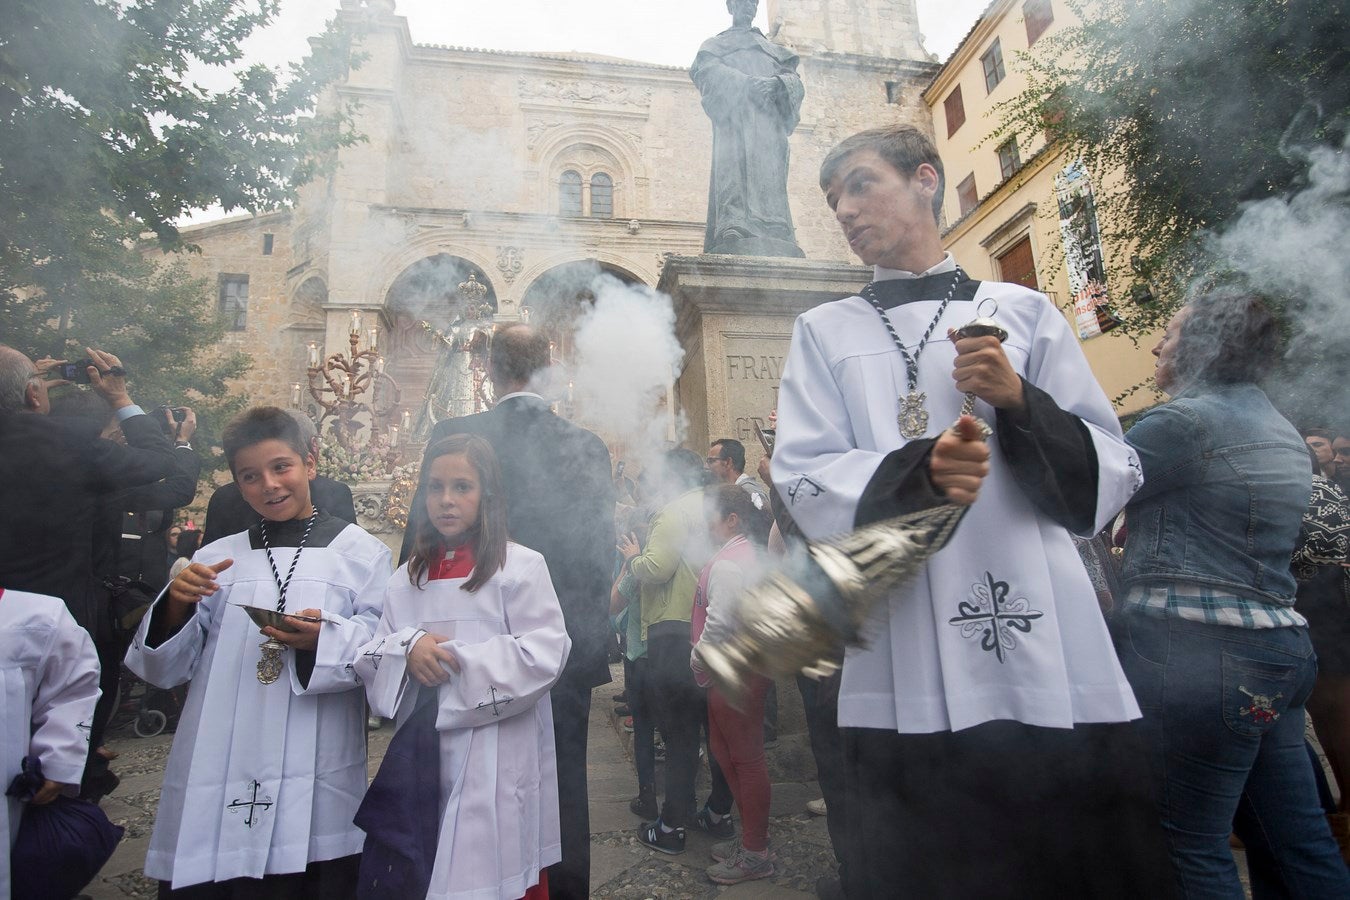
1295, 246
625, 360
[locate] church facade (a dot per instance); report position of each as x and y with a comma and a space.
529, 173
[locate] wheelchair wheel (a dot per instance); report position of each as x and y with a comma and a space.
150, 723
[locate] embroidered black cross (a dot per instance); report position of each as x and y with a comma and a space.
252, 805
993, 617
375, 655
495, 701
803, 481
86, 728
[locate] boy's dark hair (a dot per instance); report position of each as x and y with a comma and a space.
518, 351
1229, 337
261, 423
904, 147
1325, 433
733, 450
490, 539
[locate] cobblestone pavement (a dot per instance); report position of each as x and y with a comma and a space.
620, 866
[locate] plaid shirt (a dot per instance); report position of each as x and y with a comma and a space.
1197, 603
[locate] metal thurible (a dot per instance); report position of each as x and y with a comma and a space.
800, 618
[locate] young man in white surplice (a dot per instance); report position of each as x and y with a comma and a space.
49, 679
987, 686
269, 764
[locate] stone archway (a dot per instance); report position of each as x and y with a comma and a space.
424, 310
555, 299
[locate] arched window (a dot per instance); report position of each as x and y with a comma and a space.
602, 196
569, 194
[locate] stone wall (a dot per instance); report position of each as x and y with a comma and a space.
275, 329
462, 157
879, 28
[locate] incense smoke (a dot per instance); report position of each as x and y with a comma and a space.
1294, 247
626, 357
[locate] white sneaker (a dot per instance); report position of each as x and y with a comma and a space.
816, 807
741, 866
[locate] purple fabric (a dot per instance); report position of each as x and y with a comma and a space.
60, 846
401, 813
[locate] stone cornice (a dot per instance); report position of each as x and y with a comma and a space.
751, 285
627, 71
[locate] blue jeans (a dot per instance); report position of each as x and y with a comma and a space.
1223, 720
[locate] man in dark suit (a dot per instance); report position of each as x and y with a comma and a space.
128, 559
560, 502
53, 473
56, 478
227, 512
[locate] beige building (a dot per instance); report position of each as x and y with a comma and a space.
528, 172
1021, 212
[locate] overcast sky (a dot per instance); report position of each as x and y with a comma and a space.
660, 31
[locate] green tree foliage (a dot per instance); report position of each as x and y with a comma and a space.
107, 136
1186, 111
151, 314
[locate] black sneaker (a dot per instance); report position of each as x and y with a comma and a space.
671, 842
723, 828
644, 804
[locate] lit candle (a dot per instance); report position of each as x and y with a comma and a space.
356, 322
525, 315
374, 335
407, 420
393, 435
313, 354
569, 392
379, 365
295, 394
349, 383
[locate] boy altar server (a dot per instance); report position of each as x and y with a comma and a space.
984, 724
48, 688
269, 764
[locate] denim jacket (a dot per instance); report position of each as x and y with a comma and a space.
1226, 483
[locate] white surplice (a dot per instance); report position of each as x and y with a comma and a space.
265, 778
1002, 623
499, 779
49, 678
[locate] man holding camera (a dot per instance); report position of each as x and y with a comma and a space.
52, 474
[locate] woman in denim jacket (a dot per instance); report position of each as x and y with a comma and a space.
1219, 660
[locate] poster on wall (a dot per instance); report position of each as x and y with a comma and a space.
1083, 252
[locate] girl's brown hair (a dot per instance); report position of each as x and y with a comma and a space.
726, 499
488, 534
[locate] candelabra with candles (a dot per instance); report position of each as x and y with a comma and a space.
338, 384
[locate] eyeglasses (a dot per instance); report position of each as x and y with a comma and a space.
712, 459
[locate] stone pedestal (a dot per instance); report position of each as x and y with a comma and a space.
734, 318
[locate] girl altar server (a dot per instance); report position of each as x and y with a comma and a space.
269, 763
474, 618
